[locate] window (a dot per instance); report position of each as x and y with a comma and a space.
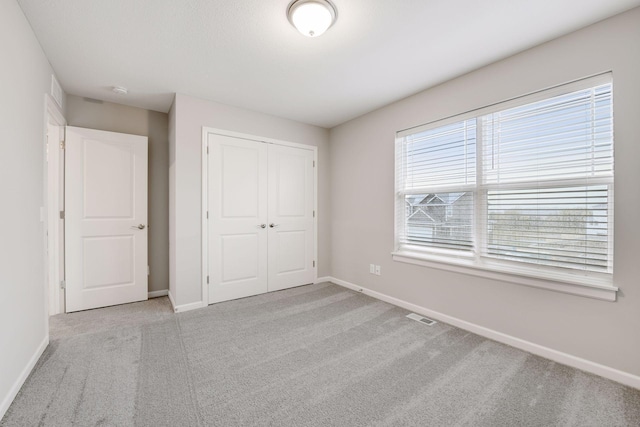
523, 187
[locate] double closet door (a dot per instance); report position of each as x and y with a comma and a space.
261, 218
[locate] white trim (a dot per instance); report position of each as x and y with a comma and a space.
204, 241
56, 91
54, 296
157, 294
316, 167
188, 307
184, 307
539, 350
173, 303
581, 287
205, 200
207, 130
52, 107
13, 391
323, 279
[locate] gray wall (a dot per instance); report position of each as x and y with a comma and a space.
137, 121
26, 77
362, 173
191, 114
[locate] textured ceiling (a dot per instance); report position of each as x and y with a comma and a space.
245, 53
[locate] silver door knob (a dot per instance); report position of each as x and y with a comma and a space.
139, 226
263, 225
272, 225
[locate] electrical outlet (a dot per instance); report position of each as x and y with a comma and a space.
377, 273
372, 269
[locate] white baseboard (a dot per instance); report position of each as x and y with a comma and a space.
157, 294
173, 303
185, 307
323, 279
188, 307
539, 350
6, 402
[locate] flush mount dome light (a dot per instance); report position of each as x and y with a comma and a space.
312, 17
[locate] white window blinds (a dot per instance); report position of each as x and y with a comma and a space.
432, 163
548, 170
528, 182
562, 138
441, 157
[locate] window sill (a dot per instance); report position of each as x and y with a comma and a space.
585, 287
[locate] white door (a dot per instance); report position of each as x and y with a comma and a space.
237, 197
261, 217
105, 218
291, 217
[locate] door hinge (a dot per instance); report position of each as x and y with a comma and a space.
62, 145
314, 263
63, 284
207, 149
207, 280
314, 214
207, 214
61, 214
148, 271
314, 163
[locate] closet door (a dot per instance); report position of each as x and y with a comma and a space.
237, 198
291, 217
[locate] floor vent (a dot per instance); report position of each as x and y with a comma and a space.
421, 319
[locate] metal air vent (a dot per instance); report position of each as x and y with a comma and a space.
421, 319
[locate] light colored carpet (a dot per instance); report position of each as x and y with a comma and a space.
317, 355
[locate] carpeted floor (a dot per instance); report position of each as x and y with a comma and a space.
317, 355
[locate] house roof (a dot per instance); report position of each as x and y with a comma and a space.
434, 199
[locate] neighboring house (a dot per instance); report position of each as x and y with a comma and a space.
441, 218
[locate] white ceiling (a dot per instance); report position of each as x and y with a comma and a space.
245, 53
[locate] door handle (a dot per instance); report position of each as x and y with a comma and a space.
263, 225
272, 225
139, 226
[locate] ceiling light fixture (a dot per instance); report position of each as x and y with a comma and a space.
312, 17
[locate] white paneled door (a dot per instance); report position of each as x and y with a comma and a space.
291, 217
105, 218
261, 201
237, 218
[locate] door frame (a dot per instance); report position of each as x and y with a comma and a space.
206, 131
54, 294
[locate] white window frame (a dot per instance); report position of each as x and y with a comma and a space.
576, 282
